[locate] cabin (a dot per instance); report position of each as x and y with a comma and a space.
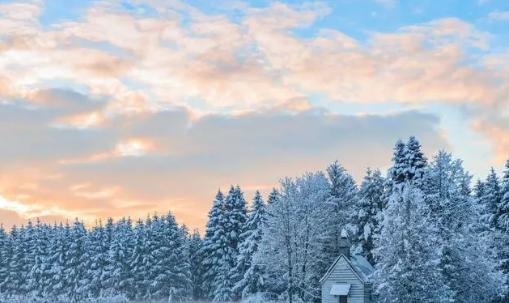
348, 280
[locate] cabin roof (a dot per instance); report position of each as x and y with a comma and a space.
360, 266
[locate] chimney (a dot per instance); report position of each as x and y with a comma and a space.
344, 244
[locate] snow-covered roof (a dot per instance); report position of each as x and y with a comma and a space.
362, 266
359, 264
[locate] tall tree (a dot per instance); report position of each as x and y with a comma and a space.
371, 195
501, 218
215, 247
406, 252
194, 248
5, 257
291, 250
76, 274
407, 246
246, 273
463, 256
343, 199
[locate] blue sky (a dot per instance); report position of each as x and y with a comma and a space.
129, 106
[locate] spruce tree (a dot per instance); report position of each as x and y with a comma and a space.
344, 203
406, 252
248, 274
273, 196
502, 226
5, 257
371, 195
214, 245
137, 263
234, 220
76, 274
194, 251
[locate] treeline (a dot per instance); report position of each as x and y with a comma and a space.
68, 263
431, 235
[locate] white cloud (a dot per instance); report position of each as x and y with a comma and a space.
499, 16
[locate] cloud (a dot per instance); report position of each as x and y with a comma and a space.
170, 106
495, 126
168, 160
499, 16
210, 63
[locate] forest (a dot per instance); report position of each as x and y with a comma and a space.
432, 232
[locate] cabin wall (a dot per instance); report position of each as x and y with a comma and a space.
368, 288
343, 273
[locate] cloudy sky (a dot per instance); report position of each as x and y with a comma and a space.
130, 107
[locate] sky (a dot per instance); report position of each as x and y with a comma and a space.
134, 107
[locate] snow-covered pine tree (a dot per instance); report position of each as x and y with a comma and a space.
58, 248
171, 275
463, 258
491, 198
194, 247
234, 220
16, 279
76, 273
503, 208
214, 245
40, 273
27, 243
502, 227
99, 254
397, 173
5, 257
415, 162
137, 263
121, 248
150, 262
406, 250
248, 274
344, 202
273, 196
371, 195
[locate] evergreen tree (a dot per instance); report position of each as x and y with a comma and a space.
415, 162
214, 244
233, 220
502, 226
76, 274
5, 257
408, 248
16, 278
99, 254
491, 199
371, 195
40, 273
273, 197
248, 274
406, 252
463, 258
344, 202
137, 263
59, 246
194, 251
397, 173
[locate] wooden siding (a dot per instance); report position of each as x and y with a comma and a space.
343, 273
367, 292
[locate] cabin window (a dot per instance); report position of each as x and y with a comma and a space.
343, 299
